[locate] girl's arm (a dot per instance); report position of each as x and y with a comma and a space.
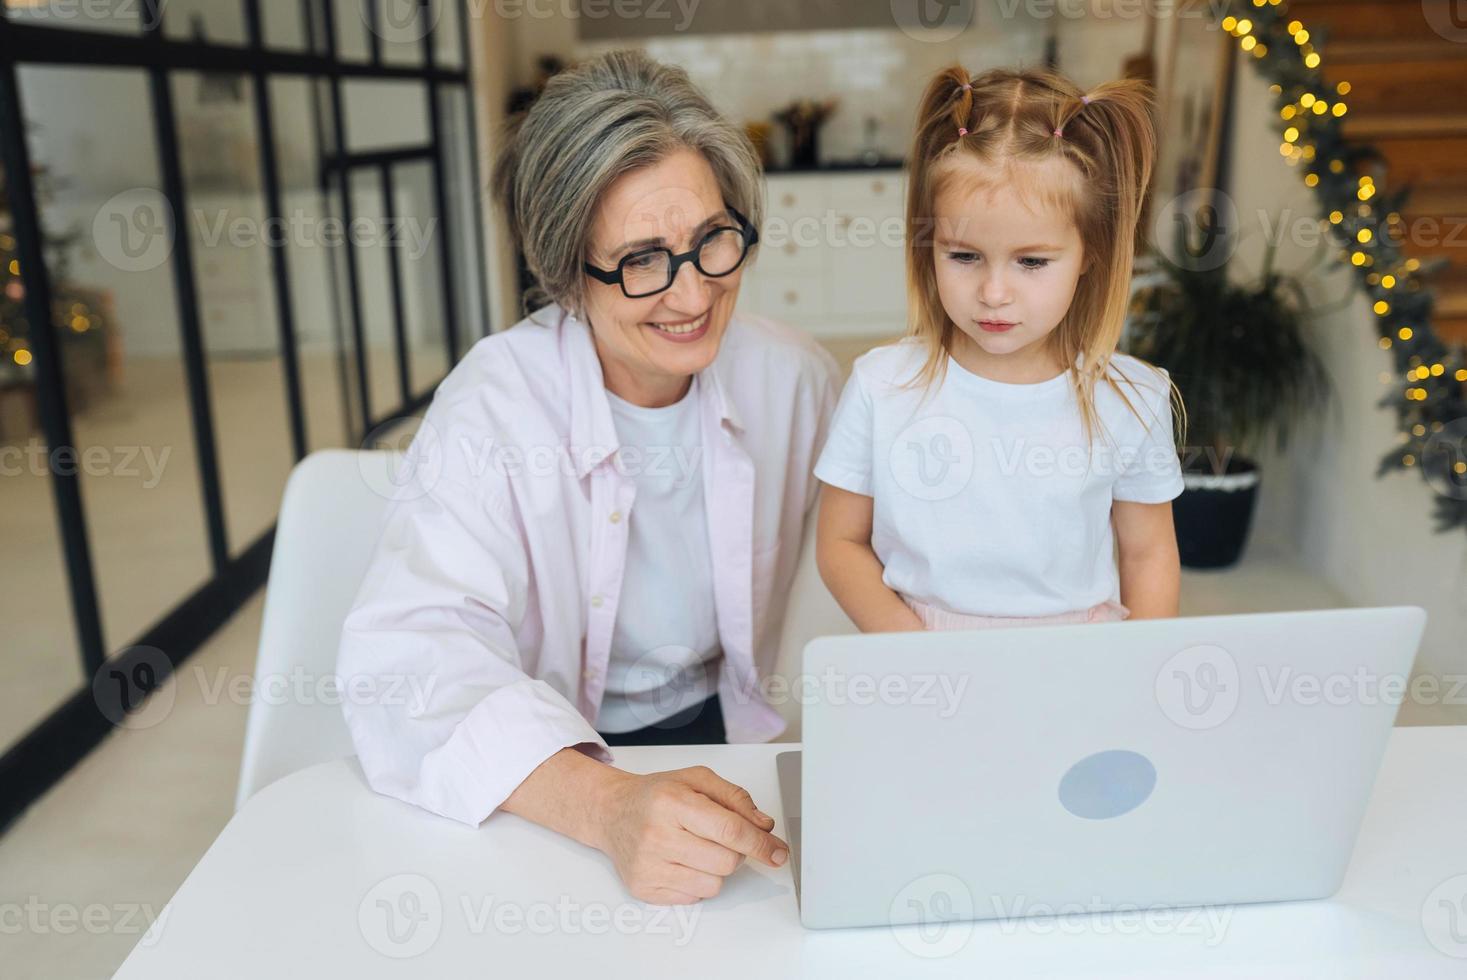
1151, 572
850, 568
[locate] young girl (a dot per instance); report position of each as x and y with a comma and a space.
984, 470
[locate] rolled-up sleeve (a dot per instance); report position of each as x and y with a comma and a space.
453, 723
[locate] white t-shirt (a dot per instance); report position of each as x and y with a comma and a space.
664, 644
985, 499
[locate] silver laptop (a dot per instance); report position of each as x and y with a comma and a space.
1097, 767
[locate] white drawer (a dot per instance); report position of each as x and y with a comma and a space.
796, 300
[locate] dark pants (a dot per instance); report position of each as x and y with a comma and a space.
698, 724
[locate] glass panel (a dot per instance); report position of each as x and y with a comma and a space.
401, 26
447, 35
231, 241
283, 24
203, 20
384, 114
463, 212
116, 16
322, 338
40, 660
351, 29
130, 408
375, 286
418, 244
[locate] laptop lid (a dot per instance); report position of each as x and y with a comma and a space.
1002, 773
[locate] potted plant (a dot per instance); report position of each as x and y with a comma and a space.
1237, 353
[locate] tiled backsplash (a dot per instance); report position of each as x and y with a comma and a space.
878, 73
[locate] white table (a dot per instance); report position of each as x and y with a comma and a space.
301, 881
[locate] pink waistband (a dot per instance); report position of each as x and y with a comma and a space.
934, 618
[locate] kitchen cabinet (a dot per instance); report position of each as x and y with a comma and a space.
832, 254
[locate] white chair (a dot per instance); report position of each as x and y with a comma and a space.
330, 518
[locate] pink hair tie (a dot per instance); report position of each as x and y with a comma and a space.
1084, 100
967, 86
1060, 131
962, 131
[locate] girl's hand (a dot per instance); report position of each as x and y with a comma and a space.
850, 569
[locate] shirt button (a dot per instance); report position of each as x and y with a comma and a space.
589, 673
595, 602
616, 517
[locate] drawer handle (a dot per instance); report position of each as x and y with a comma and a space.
790, 248
791, 296
788, 200
878, 187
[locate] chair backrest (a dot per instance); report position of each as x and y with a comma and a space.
812, 612
330, 518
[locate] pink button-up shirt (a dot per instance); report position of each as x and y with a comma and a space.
495, 582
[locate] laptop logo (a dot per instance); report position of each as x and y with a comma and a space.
1107, 784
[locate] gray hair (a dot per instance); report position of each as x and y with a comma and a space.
605, 117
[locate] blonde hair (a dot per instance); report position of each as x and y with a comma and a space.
1009, 121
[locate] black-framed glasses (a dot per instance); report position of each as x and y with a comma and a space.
652, 270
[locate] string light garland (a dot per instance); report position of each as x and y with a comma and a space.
1363, 218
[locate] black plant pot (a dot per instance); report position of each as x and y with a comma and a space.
1214, 513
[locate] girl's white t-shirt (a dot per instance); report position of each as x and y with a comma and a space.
987, 499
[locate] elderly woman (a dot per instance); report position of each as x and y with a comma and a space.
607, 503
